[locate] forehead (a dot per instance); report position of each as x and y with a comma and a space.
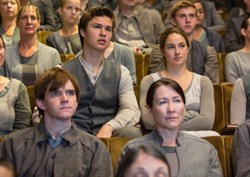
186, 10
29, 10
103, 20
175, 37
75, 2
165, 92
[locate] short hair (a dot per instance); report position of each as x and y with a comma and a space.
52, 80
89, 14
132, 153
8, 165
27, 6
163, 82
3, 41
180, 5
171, 30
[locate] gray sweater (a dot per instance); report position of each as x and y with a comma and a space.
15, 107
197, 157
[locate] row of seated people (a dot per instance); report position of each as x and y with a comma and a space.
206, 154
186, 78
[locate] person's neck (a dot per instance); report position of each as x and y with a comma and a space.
190, 37
69, 30
8, 23
95, 58
176, 72
56, 126
246, 48
28, 42
169, 136
128, 12
197, 33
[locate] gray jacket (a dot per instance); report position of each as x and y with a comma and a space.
197, 157
150, 24
80, 155
241, 150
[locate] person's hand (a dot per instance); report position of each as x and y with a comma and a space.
137, 50
105, 131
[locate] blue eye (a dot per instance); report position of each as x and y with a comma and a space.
70, 92
55, 93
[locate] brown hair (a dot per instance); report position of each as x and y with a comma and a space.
52, 80
96, 11
180, 5
164, 35
27, 6
165, 82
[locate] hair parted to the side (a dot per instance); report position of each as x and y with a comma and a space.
171, 30
163, 82
89, 14
52, 80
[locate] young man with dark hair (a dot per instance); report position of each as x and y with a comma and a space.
107, 105
56, 147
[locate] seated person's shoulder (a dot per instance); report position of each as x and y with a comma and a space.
196, 142
89, 141
21, 135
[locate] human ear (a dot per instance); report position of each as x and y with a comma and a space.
40, 104
82, 33
243, 32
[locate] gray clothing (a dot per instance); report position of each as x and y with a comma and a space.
241, 150
64, 45
197, 157
149, 23
215, 40
123, 55
94, 110
15, 107
47, 58
47, 16
213, 20
200, 107
10, 40
201, 59
78, 154
240, 101
232, 39
237, 64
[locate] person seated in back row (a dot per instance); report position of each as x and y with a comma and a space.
237, 63
66, 40
240, 101
29, 58
137, 27
107, 105
202, 59
56, 147
47, 16
15, 105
